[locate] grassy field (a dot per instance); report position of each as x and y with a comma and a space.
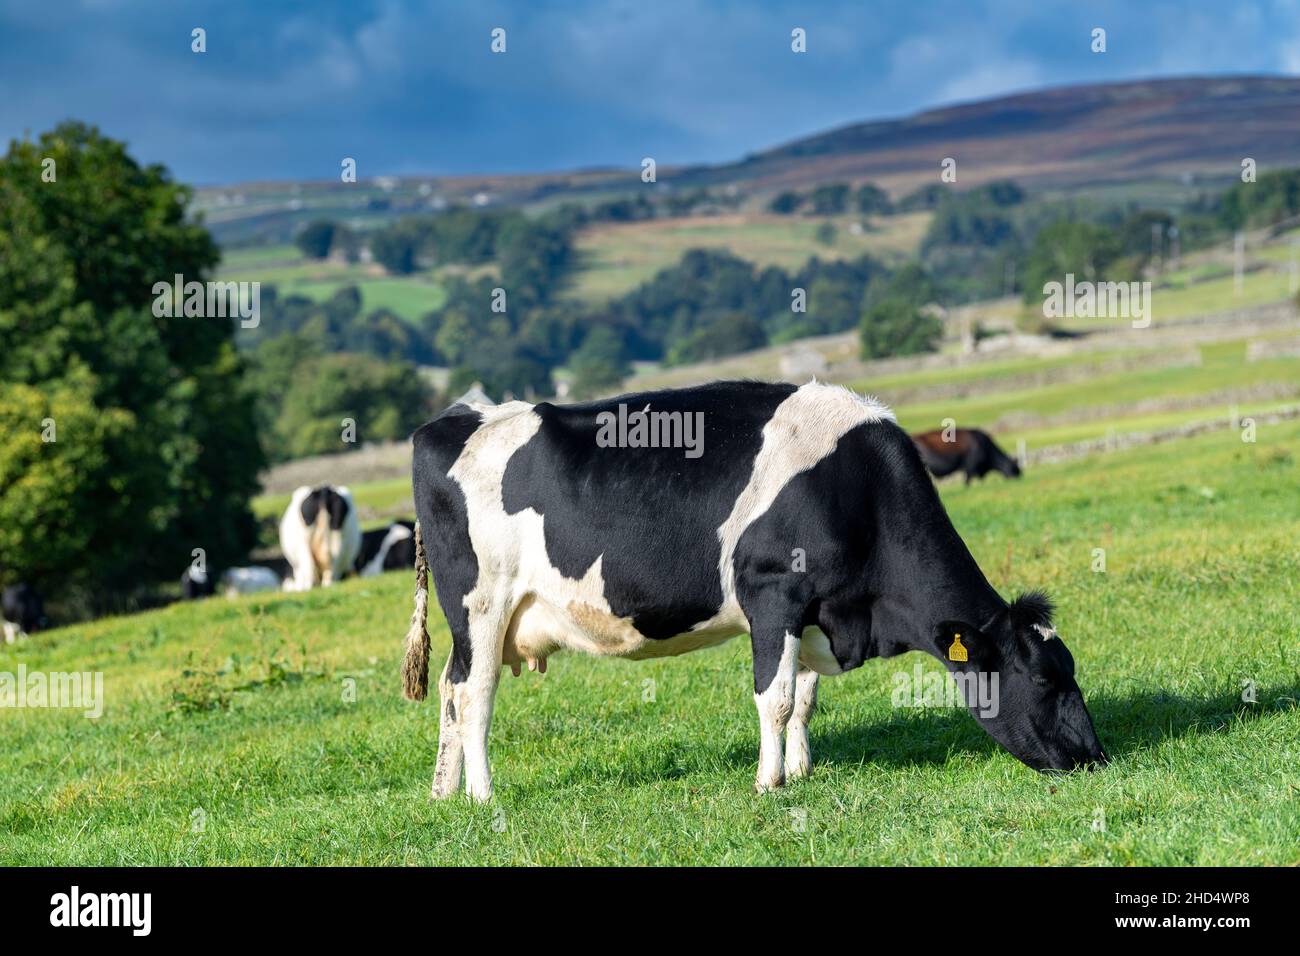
612, 259
1223, 369
409, 297
271, 730
617, 258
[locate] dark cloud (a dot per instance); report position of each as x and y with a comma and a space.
288, 88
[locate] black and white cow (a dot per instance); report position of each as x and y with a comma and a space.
23, 611
197, 584
320, 536
387, 549
804, 517
232, 582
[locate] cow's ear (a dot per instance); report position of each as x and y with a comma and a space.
961, 643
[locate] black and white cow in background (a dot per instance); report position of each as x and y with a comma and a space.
808, 521
319, 536
231, 582
387, 549
23, 611
197, 584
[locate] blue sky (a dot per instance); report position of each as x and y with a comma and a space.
288, 88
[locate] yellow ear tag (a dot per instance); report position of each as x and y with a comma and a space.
958, 651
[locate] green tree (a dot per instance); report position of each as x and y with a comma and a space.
897, 326
911, 283
386, 400
783, 204
316, 239
396, 248
872, 200
155, 448
831, 199
598, 364
732, 333
1085, 249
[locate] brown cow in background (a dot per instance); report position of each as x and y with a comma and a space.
969, 450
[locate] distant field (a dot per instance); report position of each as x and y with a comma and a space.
270, 730
409, 297
1223, 369
1201, 290
618, 257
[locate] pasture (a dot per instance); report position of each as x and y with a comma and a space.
271, 730
617, 257
408, 297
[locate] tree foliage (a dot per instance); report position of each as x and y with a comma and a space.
384, 400
155, 450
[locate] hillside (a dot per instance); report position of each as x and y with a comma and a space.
1181, 133
1070, 137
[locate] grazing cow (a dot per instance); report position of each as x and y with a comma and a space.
231, 582
237, 581
320, 536
970, 450
24, 611
387, 549
196, 584
802, 516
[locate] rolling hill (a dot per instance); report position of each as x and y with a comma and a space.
1180, 130
1170, 136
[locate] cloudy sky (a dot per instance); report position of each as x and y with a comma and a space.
287, 88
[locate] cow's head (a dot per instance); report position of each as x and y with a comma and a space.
24, 605
1007, 465
1040, 715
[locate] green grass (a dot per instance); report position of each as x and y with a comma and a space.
1223, 368
1193, 293
409, 297
616, 258
1200, 593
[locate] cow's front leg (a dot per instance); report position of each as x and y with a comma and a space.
798, 755
776, 660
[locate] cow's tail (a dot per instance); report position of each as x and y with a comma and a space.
415, 669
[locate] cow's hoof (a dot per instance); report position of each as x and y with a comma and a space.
479, 794
767, 786
795, 769
442, 789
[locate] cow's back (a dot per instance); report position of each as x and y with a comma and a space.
615, 532
650, 516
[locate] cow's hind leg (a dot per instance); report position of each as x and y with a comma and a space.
776, 660
798, 755
446, 774
475, 694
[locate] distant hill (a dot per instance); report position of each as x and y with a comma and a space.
1186, 132
1068, 137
